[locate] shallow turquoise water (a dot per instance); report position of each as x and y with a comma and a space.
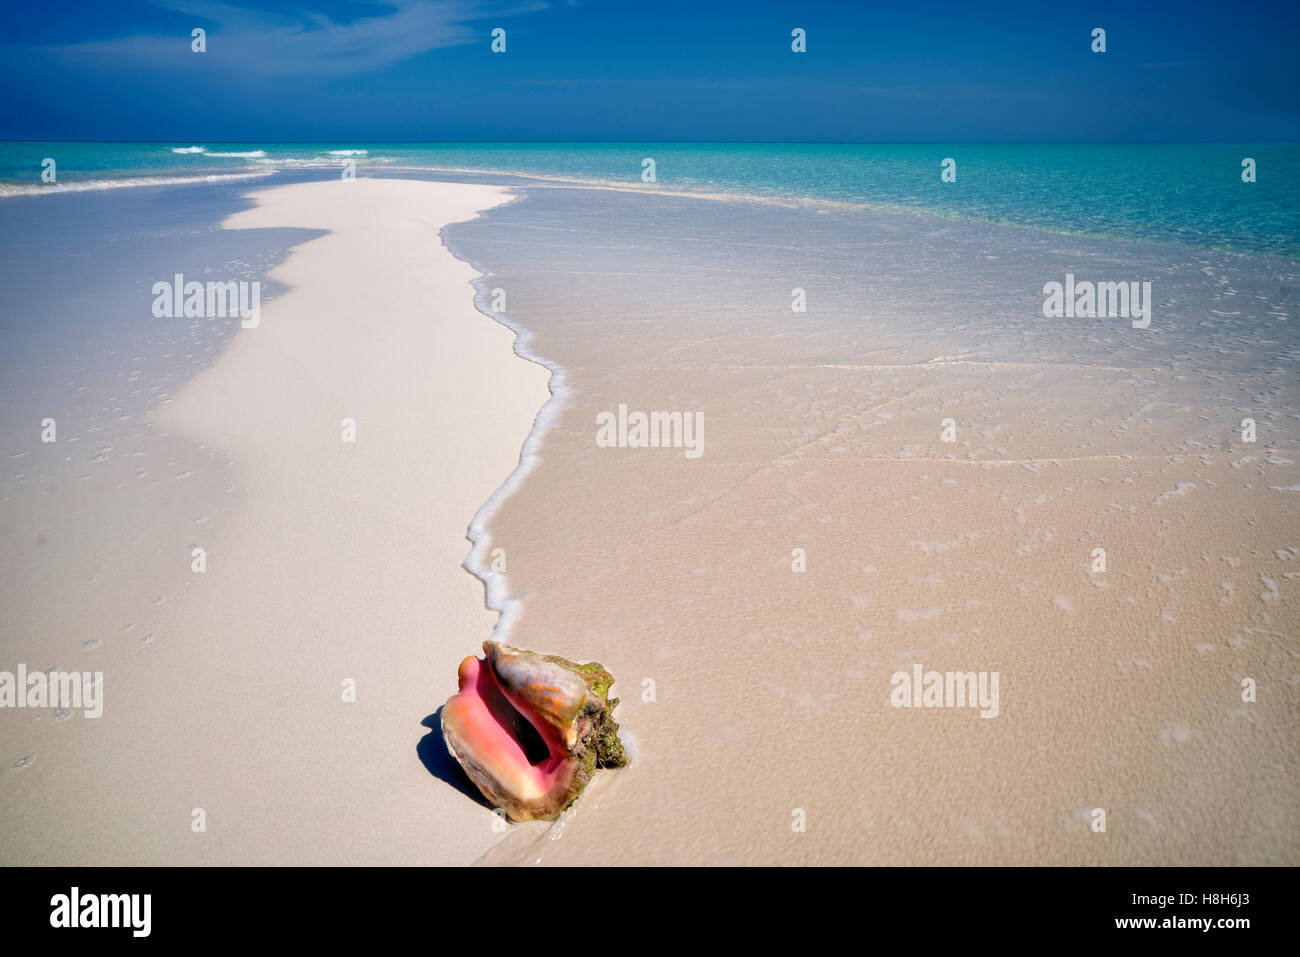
1185, 193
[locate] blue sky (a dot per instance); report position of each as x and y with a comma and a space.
423, 70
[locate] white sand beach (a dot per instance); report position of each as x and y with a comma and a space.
341, 561
753, 602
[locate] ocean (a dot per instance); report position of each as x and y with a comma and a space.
1189, 194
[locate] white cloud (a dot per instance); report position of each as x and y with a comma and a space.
263, 43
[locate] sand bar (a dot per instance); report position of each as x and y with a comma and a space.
339, 561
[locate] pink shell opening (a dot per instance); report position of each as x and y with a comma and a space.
487, 721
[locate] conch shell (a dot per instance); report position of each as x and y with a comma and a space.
530, 730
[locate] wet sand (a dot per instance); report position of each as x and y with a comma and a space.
758, 694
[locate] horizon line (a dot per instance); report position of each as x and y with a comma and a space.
688, 142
